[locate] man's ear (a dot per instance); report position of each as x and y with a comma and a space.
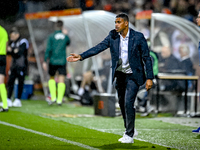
126, 23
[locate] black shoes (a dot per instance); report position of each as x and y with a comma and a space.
3, 110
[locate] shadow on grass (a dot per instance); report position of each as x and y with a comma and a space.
198, 137
122, 146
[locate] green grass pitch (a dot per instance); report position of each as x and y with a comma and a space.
72, 127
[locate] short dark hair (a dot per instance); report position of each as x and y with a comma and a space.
123, 16
14, 30
59, 24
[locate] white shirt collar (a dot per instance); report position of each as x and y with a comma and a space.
127, 35
185, 57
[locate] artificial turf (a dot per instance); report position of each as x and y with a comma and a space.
16, 139
70, 122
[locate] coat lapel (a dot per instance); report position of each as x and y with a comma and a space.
131, 43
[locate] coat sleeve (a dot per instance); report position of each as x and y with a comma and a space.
97, 49
146, 58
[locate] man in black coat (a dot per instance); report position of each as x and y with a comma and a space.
131, 66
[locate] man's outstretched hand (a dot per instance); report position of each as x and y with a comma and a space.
149, 84
74, 57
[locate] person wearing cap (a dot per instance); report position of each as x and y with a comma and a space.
55, 54
3, 45
18, 49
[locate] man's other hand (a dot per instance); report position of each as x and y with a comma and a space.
149, 84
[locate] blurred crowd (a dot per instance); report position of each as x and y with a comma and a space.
184, 8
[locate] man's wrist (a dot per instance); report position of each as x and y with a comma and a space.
80, 57
150, 79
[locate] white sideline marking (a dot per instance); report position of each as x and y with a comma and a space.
49, 135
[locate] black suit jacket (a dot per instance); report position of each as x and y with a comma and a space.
187, 66
138, 54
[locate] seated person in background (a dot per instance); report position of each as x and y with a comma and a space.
169, 64
104, 72
88, 84
87, 88
87, 80
186, 63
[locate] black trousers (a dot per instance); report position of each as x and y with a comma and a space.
18, 73
127, 90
